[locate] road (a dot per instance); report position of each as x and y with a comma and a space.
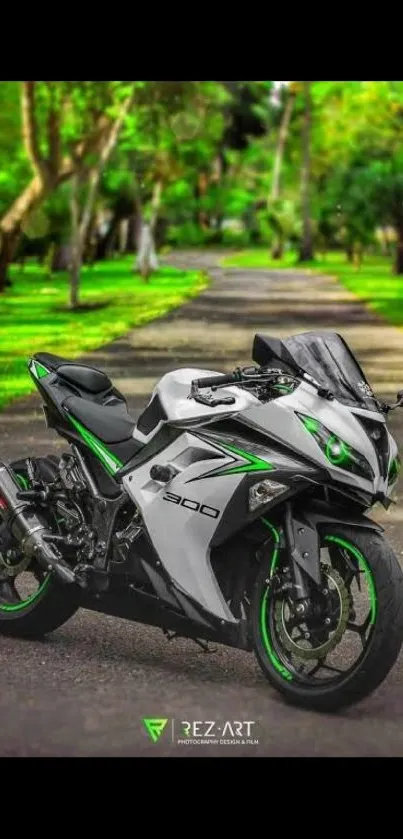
85, 690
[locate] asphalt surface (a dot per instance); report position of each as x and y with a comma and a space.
85, 690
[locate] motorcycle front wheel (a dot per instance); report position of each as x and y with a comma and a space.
343, 647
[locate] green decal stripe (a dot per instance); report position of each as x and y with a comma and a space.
22, 480
41, 370
284, 388
263, 610
254, 464
111, 463
394, 469
363, 564
15, 607
38, 370
311, 425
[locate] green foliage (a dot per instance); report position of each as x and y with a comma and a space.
34, 315
212, 147
14, 166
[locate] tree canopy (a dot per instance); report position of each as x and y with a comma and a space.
200, 162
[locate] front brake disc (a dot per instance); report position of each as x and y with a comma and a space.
305, 653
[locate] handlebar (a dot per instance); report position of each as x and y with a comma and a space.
217, 381
248, 376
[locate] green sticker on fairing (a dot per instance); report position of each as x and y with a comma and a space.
253, 464
39, 370
111, 463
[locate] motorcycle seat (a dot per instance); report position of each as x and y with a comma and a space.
87, 378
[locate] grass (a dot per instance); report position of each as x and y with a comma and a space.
34, 317
374, 282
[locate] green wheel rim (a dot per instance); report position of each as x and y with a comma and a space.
264, 629
363, 564
263, 609
17, 607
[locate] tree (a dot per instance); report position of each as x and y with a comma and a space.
173, 134
63, 124
81, 220
273, 202
306, 249
359, 132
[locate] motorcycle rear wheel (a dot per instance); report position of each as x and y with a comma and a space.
32, 602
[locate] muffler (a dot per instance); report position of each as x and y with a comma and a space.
32, 534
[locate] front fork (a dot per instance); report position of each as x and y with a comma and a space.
303, 548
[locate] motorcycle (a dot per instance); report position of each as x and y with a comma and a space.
234, 511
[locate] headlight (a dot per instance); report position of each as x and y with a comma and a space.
263, 492
337, 451
394, 469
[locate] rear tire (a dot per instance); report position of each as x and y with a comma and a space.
52, 604
52, 607
385, 627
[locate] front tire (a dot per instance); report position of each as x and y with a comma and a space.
367, 559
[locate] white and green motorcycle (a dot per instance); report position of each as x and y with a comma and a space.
233, 511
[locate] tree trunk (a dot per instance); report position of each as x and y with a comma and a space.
7, 249
51, 172
123, 235
306, 250
202, 189
350, 253
278, 248
399, 250
138, 221
147, 260
282, 140
80, 227
131, 233
358, 252
76, 244
10, 225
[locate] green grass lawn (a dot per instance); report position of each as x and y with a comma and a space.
373, 282
34, 317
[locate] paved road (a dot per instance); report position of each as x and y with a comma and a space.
85, 690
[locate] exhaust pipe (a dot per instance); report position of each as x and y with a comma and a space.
32, 534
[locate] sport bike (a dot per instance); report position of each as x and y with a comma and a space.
232, 512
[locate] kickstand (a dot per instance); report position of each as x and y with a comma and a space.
171, 635
205, 647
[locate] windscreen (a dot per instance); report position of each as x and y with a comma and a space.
326, 357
